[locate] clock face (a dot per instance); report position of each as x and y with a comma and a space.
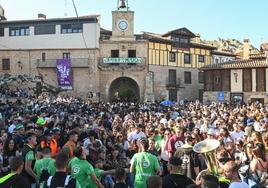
122, 24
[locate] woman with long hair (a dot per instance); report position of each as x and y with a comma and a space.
9, 151
258, 165
256, 137
265, 142
122, 142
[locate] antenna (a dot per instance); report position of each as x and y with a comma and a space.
65, 8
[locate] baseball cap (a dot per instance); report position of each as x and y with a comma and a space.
250, 122
19, 126
211, 132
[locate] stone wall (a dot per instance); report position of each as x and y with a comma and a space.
108, 73
186, 91
84, 79
248, 96
212, 96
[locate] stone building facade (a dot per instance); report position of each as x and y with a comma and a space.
32, 47
239, 80
122, 61
174, 59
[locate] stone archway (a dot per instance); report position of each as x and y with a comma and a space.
124, 89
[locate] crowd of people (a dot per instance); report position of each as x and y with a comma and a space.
54, 141
6, 92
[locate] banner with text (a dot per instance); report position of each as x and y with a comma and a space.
64, 74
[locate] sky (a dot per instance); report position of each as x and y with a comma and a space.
212, 19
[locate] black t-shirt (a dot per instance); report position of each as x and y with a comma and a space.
58, 180
16, 181
176, 181
190, 160
120, 185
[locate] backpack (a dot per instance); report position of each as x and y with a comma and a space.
66, 182
44, 173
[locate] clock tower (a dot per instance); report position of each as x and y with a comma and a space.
123, 22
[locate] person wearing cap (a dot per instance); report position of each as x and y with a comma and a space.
211, 134
41, 121
50, 142
19, 136
144, 164
175, 178
28, 154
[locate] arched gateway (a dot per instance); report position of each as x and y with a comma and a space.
124, 89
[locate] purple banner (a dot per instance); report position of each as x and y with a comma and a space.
64, 74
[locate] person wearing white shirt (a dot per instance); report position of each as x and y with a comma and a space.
137, 134
237, 134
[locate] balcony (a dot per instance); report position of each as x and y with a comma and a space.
135, 64
75, 62
173, 85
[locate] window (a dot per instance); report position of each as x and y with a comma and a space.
187, 59
172, 56
201, 77
201, 58
66, 56
172, 76
44, 29
71, 28
114, 53
5, 64
183, 40
187, 78
43, 57
131, 53
2, 32
19, 31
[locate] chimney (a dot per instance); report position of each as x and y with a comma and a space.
246, 46
41, 16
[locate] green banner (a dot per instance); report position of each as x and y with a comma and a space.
122, 60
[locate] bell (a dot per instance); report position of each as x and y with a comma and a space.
122, 4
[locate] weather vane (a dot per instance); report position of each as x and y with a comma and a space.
122, 4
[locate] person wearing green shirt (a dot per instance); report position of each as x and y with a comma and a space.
44, 167
144, 164
83, 171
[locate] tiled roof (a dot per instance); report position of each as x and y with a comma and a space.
202, 45
264, 46
257, 56
180, 31
238, 64
93, 16
154, 36
223, 53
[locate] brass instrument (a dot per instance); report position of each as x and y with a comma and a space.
208, 148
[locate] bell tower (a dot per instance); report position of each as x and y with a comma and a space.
123, 22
